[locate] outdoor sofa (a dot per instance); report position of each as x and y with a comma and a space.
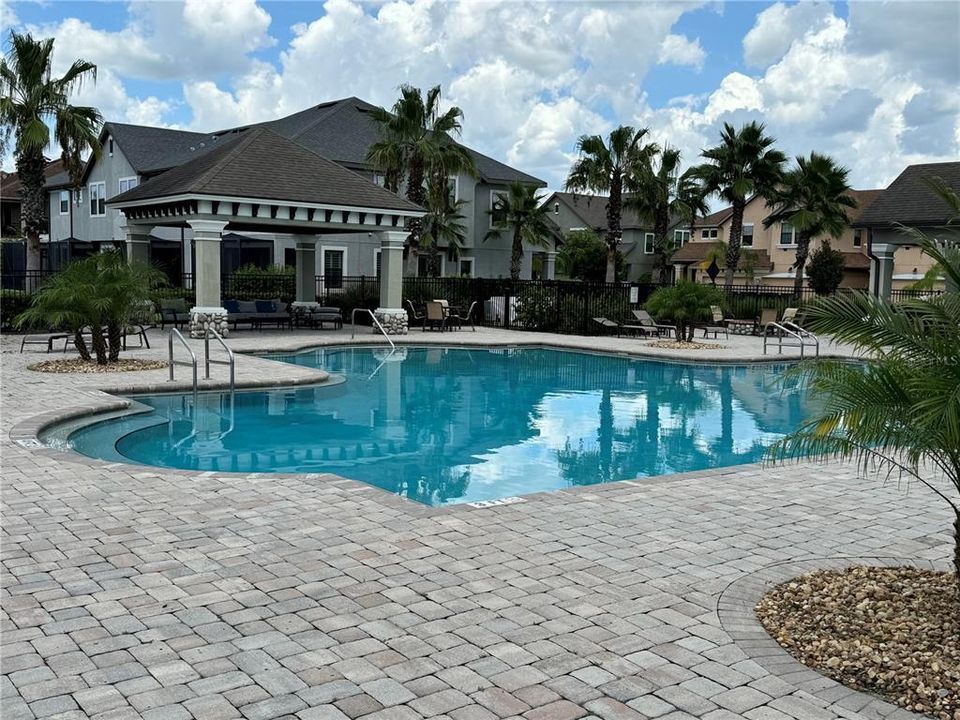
256, 313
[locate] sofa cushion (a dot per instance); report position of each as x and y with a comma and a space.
231, 306
265, 306
246, 306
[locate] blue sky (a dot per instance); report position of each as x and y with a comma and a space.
859, 80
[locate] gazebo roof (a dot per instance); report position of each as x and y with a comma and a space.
262, 165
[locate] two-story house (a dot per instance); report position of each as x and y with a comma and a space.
576, 211
772, 250
341, 131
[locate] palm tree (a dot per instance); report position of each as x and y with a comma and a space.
898, 408
742, 165
522, 212
415, 141
813, 198
443, 226
32, 101
609, 168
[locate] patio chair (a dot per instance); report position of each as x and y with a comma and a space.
43, 339
415, 317
435, 317
175, 312
719, 324
647, 321
767, 316
461, 319
610, 325
790, 316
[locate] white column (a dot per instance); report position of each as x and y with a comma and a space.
550, 265
208, 312
881, 269
306, 271
391, 313
138, 242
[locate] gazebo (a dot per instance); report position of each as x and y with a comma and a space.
262, 181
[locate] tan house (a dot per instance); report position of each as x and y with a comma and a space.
772, 251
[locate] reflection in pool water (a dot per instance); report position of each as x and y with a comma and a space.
460, 425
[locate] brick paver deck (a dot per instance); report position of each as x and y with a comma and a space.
135, 592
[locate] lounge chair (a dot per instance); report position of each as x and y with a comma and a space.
719, 324
610, 325
468, 318
415, 317
435, 316
47, 339
767, 316
647, 321
790, 316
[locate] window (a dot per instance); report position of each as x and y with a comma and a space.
110, 146
128, 183
428, 266
556, 208
334, 262
453, 189
98, 196
64, 202
708, 234
379, 179
787, 235
681, 237
497, 214
858, 238
747, 238
648, 241
465, 267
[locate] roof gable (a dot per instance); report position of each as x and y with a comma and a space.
260, 164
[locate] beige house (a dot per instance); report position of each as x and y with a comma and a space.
773, 249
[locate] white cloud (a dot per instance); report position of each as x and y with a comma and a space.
681, 50
778, 27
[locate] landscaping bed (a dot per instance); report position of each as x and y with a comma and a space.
890, 631
78, 365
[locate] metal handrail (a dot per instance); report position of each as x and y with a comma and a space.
353, 324
793, 330
193, 356
231, 360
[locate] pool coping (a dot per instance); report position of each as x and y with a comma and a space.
736, 612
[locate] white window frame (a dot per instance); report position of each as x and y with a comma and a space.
380, 179
743, 234
456, 186
493, 196
120, 182
323, 259
469, 259
652, 238
683, 234
793, 236
709, 233
101, 196
64, 198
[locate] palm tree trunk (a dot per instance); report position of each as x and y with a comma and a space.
115, 338
30, 167
733, 245
516, 253
417, 195
81, 345
614, 228
660, 247
99, 344
956, 546
803, 250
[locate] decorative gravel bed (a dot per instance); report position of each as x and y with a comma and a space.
674, 345
78, 365
891, 631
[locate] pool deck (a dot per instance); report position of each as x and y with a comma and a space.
135, 592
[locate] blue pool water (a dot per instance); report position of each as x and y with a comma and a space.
462, 425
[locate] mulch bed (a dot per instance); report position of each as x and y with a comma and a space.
78, 365
890, 631
674, 345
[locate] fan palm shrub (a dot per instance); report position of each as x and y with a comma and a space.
896, 410
684, 305
102, 293
522, 213
813, 198
609, 167
32, 102
744, 164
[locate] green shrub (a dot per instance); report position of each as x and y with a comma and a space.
12, 304
685, 304
537, 309
825, 269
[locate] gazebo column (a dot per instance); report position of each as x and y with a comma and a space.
306, 271
550, 265
391, 313
208, 312
138, 243
881, 270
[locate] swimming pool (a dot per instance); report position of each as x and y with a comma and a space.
445, 425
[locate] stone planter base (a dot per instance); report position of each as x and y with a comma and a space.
394, 320
204, 318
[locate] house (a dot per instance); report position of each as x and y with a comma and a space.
771, 252
11, 225
908, 201
576, 211
339, 131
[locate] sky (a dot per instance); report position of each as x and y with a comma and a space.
874, 84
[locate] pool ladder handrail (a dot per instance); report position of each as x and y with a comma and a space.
172, 362
230, 361
353, 324
791, 329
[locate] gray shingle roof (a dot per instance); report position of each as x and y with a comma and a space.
341, 130
910, 201
592, 210
261, 164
